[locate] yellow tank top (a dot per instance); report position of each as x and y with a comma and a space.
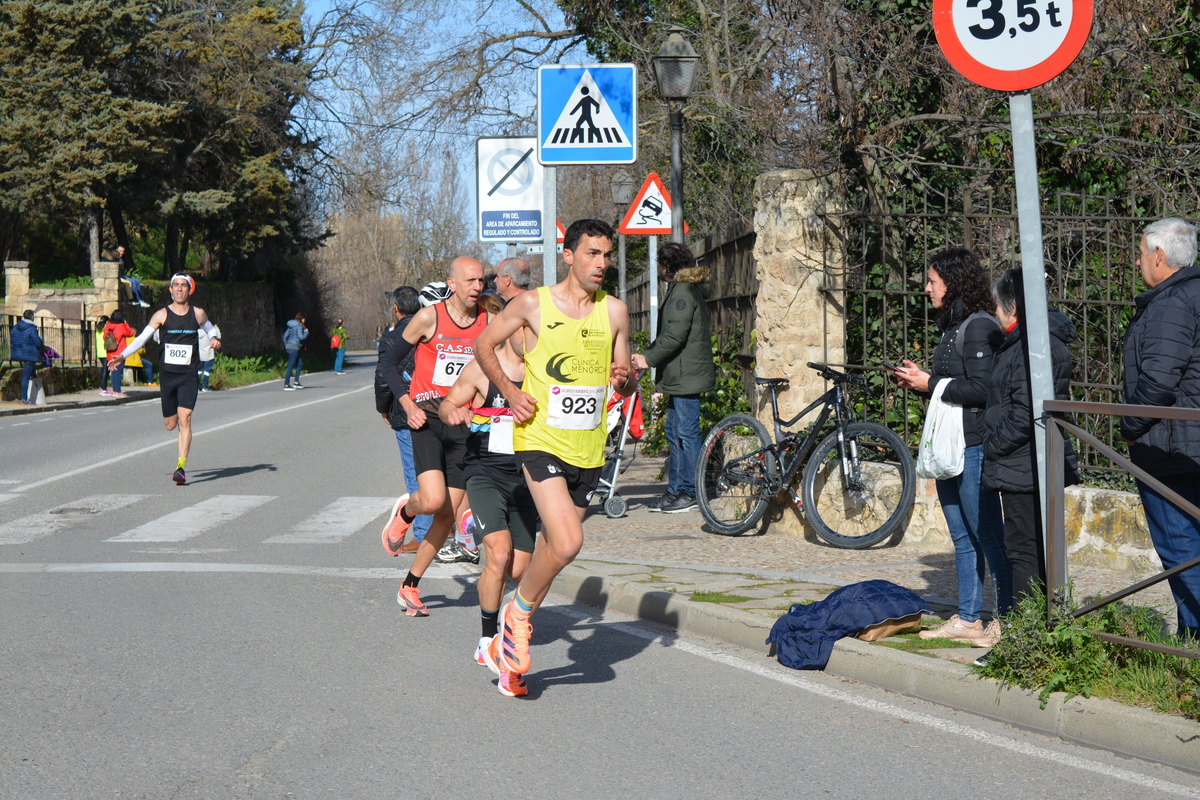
567, 373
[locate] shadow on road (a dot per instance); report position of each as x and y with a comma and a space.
228, 472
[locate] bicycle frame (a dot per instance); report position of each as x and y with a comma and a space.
790, 455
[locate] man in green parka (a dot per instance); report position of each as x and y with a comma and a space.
682, 357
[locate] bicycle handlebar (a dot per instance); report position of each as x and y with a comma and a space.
830, 374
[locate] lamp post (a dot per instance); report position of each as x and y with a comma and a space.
623, 187
675, 74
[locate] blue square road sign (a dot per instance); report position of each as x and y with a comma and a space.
587, 114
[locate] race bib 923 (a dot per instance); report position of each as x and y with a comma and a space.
576, 408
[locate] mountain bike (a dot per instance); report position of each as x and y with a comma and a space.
859, 481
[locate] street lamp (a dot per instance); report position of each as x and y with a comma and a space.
623, 187
675, 73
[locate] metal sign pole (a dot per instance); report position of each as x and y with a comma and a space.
621, 291
550, 227
652, 274
1037, 328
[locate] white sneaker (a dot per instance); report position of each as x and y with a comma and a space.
479, 648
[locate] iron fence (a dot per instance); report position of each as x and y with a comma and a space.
75, 342
734, 287
1089, 241
1056, 540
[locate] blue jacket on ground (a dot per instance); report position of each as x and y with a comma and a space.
27, 344
805, 635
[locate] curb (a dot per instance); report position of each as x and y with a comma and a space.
48, 408
1092, 722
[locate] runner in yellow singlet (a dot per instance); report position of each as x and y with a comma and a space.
576, 344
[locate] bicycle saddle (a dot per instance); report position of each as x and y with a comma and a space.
771, 381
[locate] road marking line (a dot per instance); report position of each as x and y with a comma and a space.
4, 498
174, 441
194, 520
435, 570
35, 526
942, 725
339, 519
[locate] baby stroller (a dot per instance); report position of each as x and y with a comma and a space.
624, 423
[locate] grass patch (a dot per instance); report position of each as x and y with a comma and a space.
1063, 655
70, 282
719, 597
231, 371
915, 644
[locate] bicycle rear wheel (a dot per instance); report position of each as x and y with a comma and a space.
734, 474
869, 506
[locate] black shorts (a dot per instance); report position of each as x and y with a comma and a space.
177, 390
441, 447
500, 505
580, 482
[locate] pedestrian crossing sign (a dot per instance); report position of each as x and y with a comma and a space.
587, 114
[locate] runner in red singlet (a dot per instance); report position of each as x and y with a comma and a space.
444, 337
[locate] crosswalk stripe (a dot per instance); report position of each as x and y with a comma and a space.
339, 519
193, 520
44, 523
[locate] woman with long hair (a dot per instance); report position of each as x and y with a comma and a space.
959, 290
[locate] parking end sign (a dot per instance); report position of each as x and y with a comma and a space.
508, 189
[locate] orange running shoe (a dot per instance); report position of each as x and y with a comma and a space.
514, 639
410, 598
512, 685
393, 532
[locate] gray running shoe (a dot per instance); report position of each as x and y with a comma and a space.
679, 504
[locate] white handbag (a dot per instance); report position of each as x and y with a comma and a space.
943, 448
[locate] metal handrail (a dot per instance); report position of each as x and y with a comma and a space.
1056, 539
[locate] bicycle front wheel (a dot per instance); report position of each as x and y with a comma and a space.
867, 502
734, 474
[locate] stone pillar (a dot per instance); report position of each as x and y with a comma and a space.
16, 280
799, 260
799, 314
106, 276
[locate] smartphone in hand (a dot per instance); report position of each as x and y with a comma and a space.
887, 364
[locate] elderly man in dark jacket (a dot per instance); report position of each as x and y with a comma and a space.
27, 347
682, 356
1009, 464
1162, 368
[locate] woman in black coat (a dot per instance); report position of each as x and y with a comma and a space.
959, 289
1009, 464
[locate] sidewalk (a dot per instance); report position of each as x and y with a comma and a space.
89, 398
650, 565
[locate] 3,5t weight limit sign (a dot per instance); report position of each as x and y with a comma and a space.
1011, 45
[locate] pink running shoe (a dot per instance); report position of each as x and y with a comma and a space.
512, 685
514, 639
396, 527
410, 598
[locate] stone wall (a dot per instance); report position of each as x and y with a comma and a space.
244, 311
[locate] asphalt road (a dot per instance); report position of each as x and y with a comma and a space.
239, 637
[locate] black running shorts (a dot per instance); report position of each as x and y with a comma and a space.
441, 447
177, 390
500, 505
580, 482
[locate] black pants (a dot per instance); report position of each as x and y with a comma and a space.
1023, 542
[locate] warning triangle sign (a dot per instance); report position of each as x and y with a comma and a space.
586, 119
650, 212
